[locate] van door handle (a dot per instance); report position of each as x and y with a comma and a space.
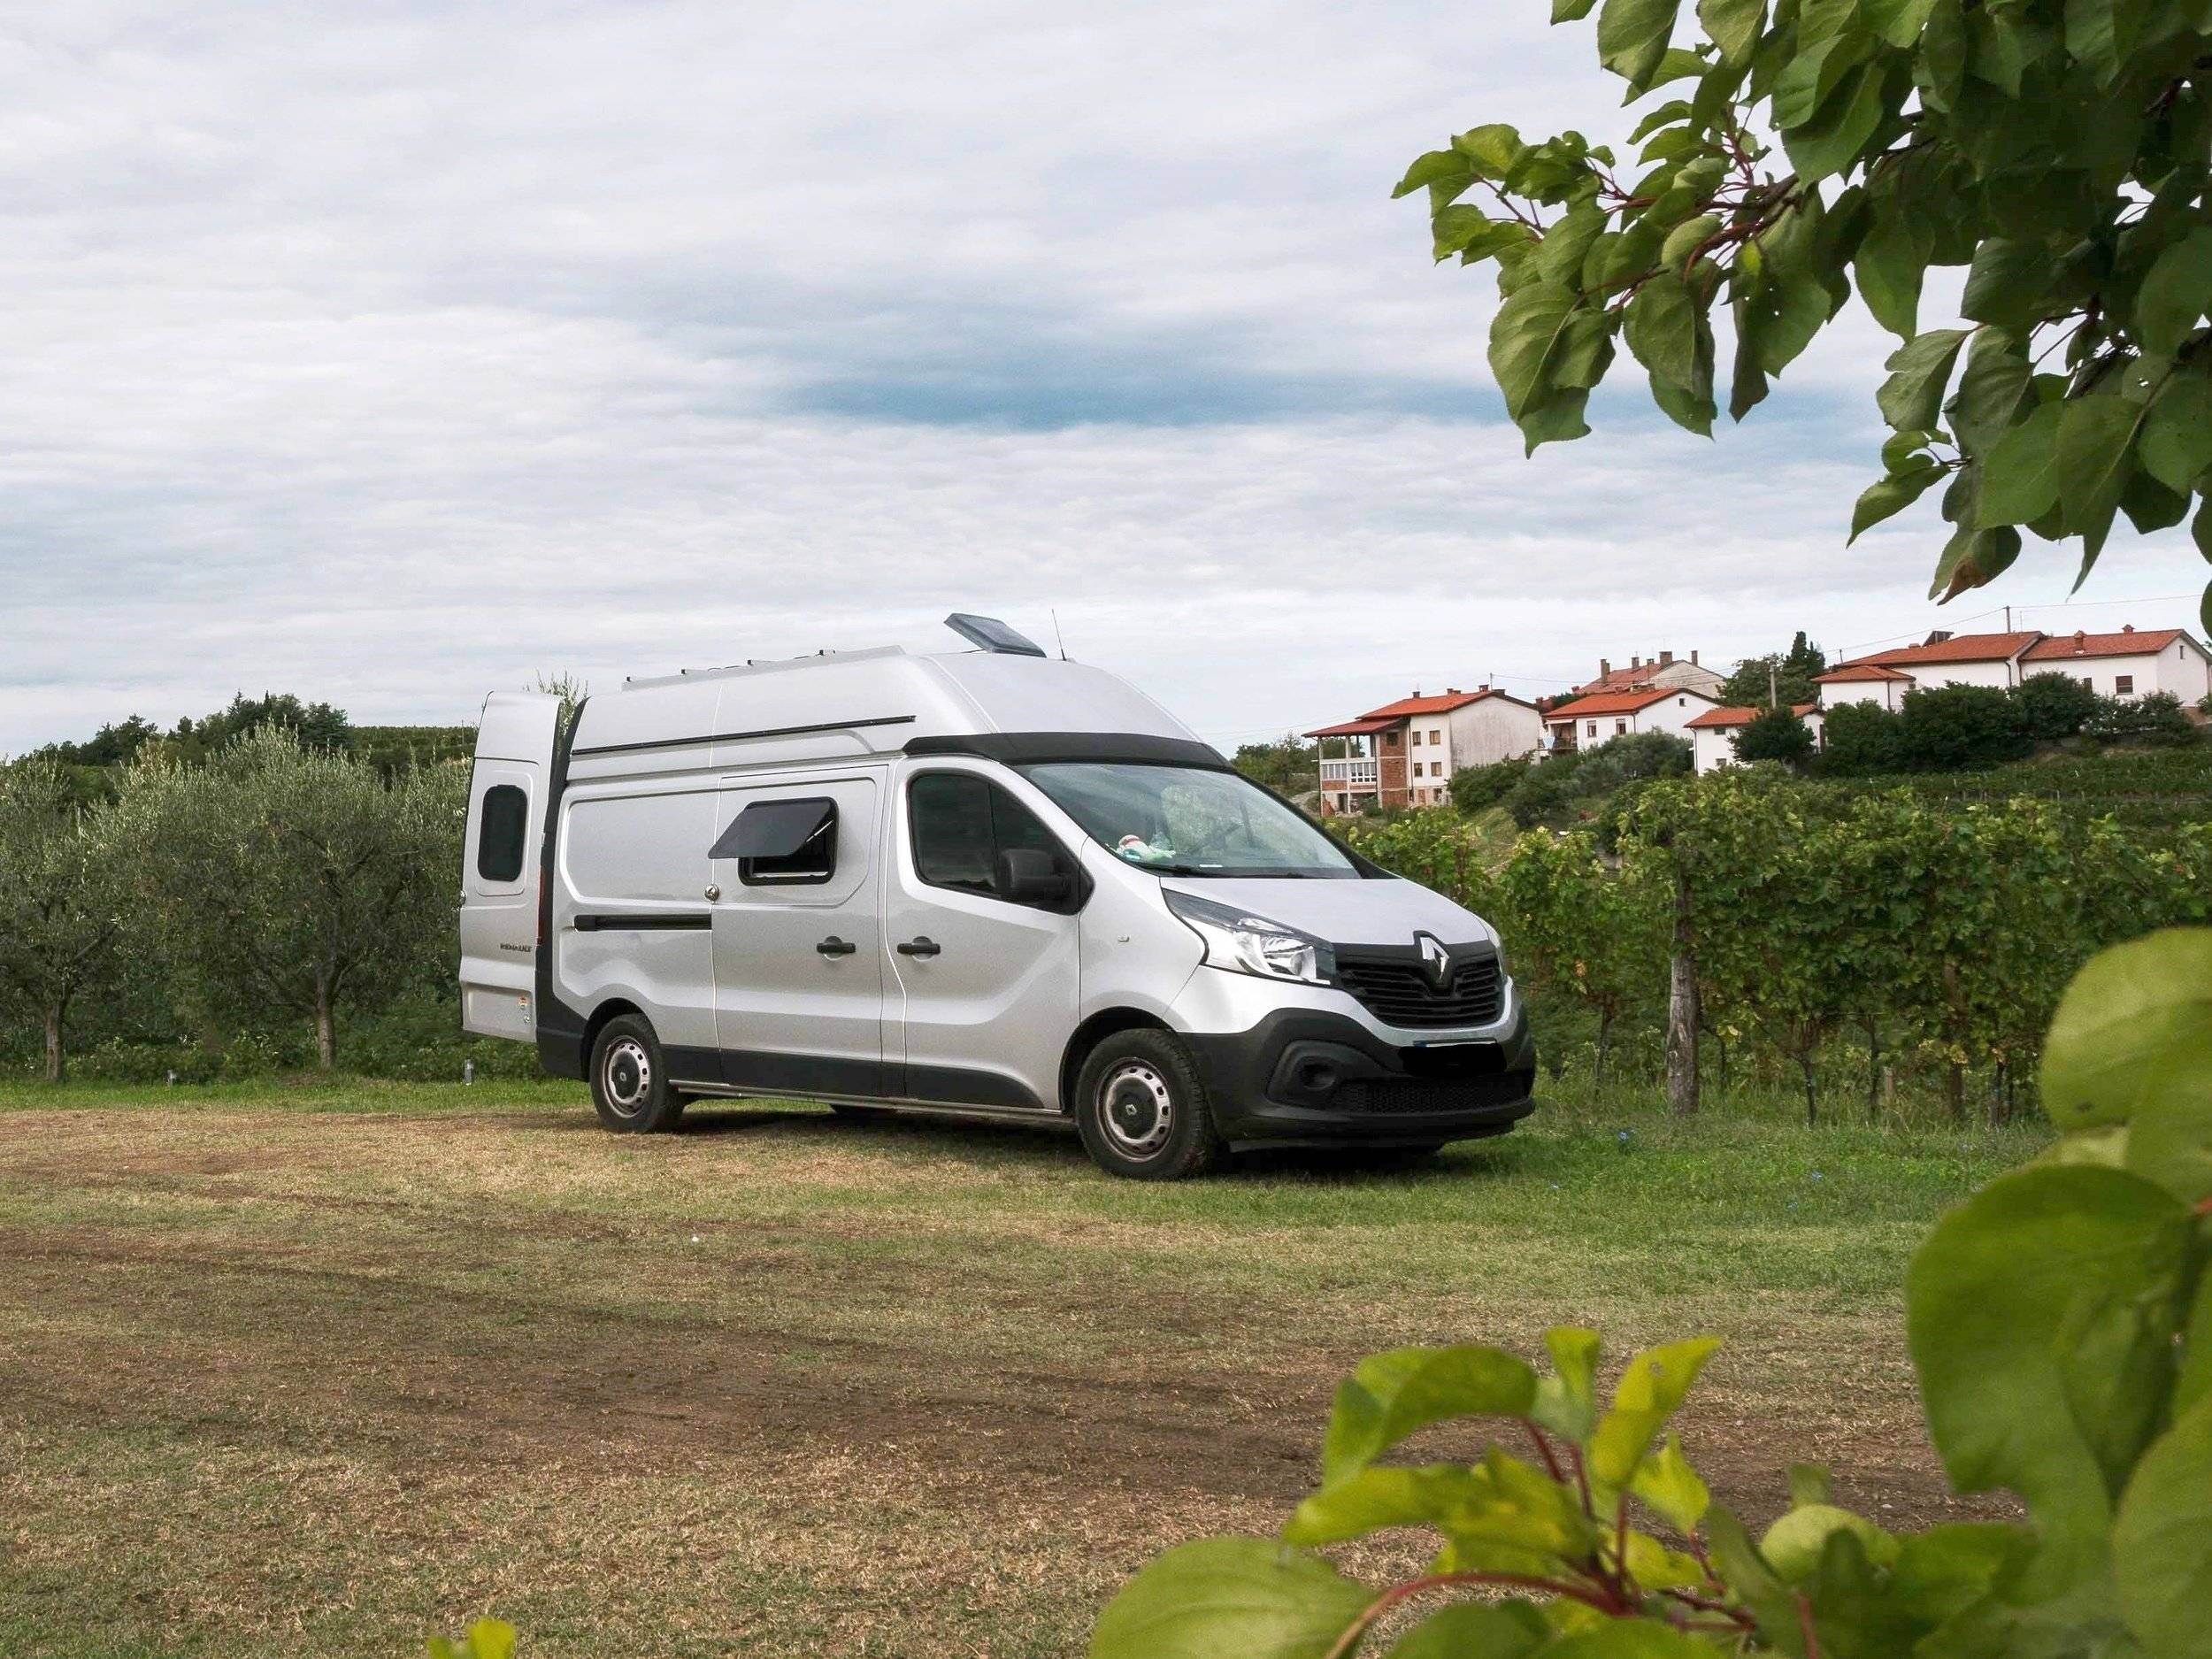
836, 947
923, 947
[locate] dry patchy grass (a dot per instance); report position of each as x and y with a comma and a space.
319, 1370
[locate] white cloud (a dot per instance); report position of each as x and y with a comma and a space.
388, 353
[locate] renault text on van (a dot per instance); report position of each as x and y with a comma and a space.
987, 883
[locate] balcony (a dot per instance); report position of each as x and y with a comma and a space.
1349, 774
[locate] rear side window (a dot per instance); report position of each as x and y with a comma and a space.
500, 828
962, 823
782, 843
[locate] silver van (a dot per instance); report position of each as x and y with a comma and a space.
988, 884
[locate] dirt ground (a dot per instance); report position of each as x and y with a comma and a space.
777, 1386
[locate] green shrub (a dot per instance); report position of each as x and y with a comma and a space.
1954, 728
2048, 707
2158, 717
1476, 788
1777, 734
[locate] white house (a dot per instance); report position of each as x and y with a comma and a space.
1683, 674
1404, 753
1713, 733
2128, 664
1586, 722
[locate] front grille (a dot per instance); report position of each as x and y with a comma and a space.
1412, 1094
1395, 987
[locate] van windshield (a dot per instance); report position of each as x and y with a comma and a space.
1189, 821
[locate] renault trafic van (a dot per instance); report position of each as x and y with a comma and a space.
988, 883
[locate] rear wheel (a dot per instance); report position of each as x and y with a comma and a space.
1142, 1109
629, 1082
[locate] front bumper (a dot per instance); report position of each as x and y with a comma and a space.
1309, 1076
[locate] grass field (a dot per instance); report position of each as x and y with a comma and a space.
316, 1369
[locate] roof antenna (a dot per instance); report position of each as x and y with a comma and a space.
1057, 638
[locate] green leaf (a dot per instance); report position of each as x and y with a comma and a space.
2175, 294
2162, 1542
1676, 1494
1526, 337
1633, 37
2150, 506
2137, 1015
1246, 1596
1911, 399
1793, 1544
491, 1639
1661, 329
1438, 166
1384, 1494
1899, 21
1569, 10
1684, 238
1752, 1580
1810, 1483
1495, 149
1394, 1394
1831, 142
1993, 1295
2020, 479
1939, 71
2096, 451
1650, 1391
1889, 497
2177, 445
2201, 532
1973, 558
1733, 26
1891, 260
2007, 283
1505, 1630
1633, 1639
1566, 1402
1991, 389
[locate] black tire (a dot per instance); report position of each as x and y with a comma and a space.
1143, 1110
629, 1079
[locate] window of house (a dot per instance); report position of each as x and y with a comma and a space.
503, 823
961, 823
1620, 728
1594, 728
782, 843
2123, 684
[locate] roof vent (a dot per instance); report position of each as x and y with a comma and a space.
2127, 627
988, 634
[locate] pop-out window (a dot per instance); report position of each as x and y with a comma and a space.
782, 843
501, 829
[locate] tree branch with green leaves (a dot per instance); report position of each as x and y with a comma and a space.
2058, 152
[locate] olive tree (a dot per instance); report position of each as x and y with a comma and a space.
61, 904
2057, 150
297, 878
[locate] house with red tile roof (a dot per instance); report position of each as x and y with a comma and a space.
1404, 753
1641, 674
1586, 722
2127, 664
1713, 734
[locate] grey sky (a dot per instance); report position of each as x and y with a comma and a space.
390, 353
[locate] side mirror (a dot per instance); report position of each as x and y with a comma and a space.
1027, 876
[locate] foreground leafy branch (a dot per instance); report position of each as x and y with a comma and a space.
2059, 150
2060, 1326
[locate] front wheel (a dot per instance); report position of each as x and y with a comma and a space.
1142, 1109
629, 1082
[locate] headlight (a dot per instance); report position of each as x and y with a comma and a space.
1252, 944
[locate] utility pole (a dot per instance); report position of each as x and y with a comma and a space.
1774, 697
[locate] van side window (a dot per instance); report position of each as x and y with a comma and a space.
962, 823
499, 834
787, 843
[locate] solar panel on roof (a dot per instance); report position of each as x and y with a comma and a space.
990, 635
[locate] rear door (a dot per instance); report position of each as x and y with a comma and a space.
798, 933
500, 863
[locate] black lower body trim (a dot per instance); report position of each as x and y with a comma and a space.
846, 1078
1304, 1077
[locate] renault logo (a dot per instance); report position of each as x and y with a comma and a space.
1435, 958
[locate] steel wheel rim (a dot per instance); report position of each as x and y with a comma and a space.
1136, 1109
626, 1076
